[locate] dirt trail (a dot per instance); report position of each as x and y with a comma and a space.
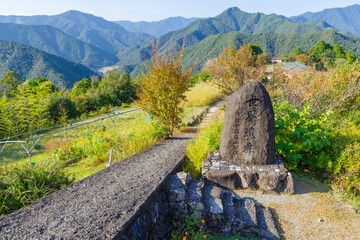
311, 213
213, 109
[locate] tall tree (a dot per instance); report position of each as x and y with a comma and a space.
162, 88
10, 82
234, 67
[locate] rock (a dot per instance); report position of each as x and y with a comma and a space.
246, 211
229, 205
248, 134
267, 229
270, 178
179, 180
194, 196
273, 178
177, 185
290, 188
212, 199
176, 195
226, 178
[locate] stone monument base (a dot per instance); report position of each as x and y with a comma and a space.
270, 178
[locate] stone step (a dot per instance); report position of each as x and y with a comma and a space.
246, 211
212, 199
266, 224
193, 196
228, 202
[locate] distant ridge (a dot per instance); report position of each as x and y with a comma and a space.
233, 19
96, 31
346, 19
273, 44
157, 28
32, 63
54, 41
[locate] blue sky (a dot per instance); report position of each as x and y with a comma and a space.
152, 10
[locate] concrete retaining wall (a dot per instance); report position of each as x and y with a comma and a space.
104, 205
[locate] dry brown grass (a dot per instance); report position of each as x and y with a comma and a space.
54, 144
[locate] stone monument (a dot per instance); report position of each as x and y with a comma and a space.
247, 145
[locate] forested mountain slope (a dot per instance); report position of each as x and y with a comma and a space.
32, 63
54, 41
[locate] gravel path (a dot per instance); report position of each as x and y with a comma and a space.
311, 213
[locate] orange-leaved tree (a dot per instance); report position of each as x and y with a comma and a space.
234, 67
162, 88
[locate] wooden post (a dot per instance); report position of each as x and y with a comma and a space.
110, 159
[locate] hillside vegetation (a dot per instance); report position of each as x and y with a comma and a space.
271, 43
54, 41
32, 63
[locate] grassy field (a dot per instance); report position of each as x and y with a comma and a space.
44, 150
15, 152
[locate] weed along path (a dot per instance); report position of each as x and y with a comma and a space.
311, 213
211, 112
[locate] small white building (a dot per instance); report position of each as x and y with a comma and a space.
276, 60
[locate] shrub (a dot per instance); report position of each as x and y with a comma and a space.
337, 91
195, 228
302, 138
55, 144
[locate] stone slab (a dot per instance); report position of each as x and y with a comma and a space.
248, 133
273, 177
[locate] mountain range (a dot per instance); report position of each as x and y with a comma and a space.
157, 28
231, 20
345, 19
88, 28
96, 42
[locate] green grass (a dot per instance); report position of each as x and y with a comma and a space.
20, 186
208, 139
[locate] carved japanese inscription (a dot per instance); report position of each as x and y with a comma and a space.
248, 134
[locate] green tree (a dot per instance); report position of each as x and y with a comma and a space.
200, 77
80, 88
9, 83
117, 89
319, 48
350, 57
296, 51
60, 104
162, 88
